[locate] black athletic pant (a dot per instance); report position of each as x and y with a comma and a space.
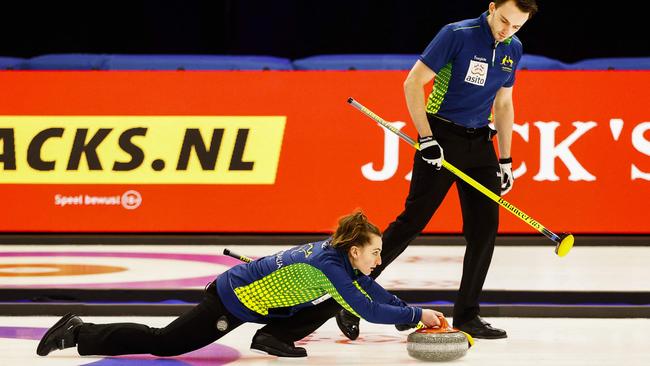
303, 323
193, 330
471, 151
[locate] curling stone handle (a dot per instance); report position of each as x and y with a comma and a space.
443, 323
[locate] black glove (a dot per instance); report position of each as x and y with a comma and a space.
431, 151
403, 327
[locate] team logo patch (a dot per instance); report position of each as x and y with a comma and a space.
506, 63
306, 249
477, 73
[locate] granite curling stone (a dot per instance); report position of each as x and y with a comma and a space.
438, 344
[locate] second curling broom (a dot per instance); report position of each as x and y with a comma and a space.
564, 242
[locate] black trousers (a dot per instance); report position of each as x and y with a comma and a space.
303, 323
472, 152
195, 329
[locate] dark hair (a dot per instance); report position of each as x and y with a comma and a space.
527, 6
353, 230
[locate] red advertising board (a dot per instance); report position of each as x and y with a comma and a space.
283, 152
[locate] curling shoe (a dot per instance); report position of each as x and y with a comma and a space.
348, 324
61, 335
267, 343
407, 326
479, 328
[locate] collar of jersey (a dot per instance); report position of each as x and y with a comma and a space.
346, 263
488, 33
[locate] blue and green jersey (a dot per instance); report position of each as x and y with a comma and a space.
470, 68
279, 285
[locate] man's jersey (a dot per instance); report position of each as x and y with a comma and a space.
281, 284
470, 68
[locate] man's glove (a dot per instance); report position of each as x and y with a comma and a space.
431, 151
507, 179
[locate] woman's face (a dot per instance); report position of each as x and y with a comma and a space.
366, 258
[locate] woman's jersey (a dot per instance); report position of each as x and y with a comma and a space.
470, 68
281, 284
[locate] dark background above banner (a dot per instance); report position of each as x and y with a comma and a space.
564, 30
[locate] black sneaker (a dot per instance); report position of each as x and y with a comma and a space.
348, 324
267, 343
60, 336
407, 326
479, 328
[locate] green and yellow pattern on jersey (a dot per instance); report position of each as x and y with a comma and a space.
440, 86
289, 286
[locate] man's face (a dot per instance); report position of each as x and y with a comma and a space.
506, 20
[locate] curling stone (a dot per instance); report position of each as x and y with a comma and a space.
438, 344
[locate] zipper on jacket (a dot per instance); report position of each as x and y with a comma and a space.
494, 51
